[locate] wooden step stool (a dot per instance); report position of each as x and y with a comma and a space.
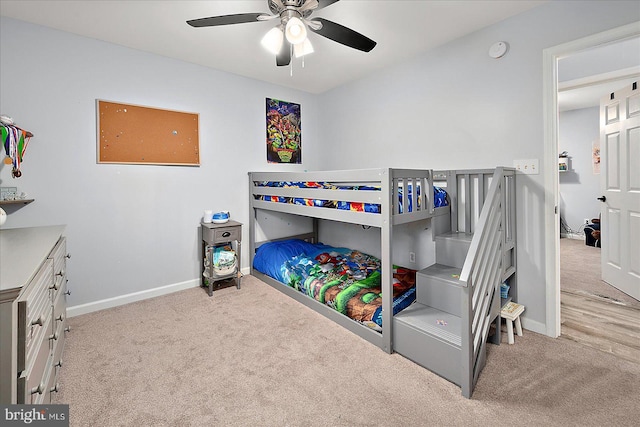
511, 312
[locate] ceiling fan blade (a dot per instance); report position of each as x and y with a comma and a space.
343, 35
284, 56
266, 17
309, 5
324, 3
239, 18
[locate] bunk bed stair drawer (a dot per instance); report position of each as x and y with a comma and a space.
431, 338
439, 286
452, 248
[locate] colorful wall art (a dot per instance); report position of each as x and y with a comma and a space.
283, 132
595, 156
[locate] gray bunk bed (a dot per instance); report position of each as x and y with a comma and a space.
458, 358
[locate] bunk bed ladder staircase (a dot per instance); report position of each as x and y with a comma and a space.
458, 297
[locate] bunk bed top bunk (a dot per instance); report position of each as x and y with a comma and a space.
359, 196
381, 198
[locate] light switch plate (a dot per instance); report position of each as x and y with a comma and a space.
527, 166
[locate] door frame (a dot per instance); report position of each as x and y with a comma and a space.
550, 57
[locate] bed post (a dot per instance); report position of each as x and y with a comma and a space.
452, 190
252, 225
385, 258
316, 237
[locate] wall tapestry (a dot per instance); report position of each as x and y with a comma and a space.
283, 132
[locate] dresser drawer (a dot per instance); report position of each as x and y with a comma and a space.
32, 382
58, 348
59, 324
34, 314
60, 306
48, 380
59, 257
58, 339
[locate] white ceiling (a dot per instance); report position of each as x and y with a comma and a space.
585, 77
402, 29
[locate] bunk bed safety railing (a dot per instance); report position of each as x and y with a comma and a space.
419, 197
467, 190
482, 271
405, 206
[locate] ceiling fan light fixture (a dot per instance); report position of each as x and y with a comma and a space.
272, 41
295, 31
302, 49
295, 22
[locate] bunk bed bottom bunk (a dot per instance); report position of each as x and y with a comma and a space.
346, 281
357, 328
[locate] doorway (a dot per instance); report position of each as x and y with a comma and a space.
593, 312
584, 78
551, 57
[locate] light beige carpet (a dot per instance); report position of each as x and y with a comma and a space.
254, 357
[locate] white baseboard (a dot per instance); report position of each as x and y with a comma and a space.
90, 307
533, 325
576, 236
77, 310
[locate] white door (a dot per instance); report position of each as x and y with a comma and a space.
620, 186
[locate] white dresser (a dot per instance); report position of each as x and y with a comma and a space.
33, 313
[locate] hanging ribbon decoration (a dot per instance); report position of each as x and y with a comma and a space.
15, 141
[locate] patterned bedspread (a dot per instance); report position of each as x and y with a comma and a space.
439, 196
347, 280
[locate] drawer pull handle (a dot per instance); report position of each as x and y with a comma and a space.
60, 273
54, 336
68, 256
67, 329
38, 321
226, 234
59, 364
68, 292
38, 389
55, 388
60, 318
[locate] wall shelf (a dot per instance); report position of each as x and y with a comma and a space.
16, 202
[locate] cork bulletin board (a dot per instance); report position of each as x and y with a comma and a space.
136, 134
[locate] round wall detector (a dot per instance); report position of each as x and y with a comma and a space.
497, 50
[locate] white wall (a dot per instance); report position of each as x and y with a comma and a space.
579, 187
130, 228
455, 107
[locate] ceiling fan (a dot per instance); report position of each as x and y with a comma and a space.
290, 35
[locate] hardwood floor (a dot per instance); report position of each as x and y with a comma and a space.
592, 312
601, 323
